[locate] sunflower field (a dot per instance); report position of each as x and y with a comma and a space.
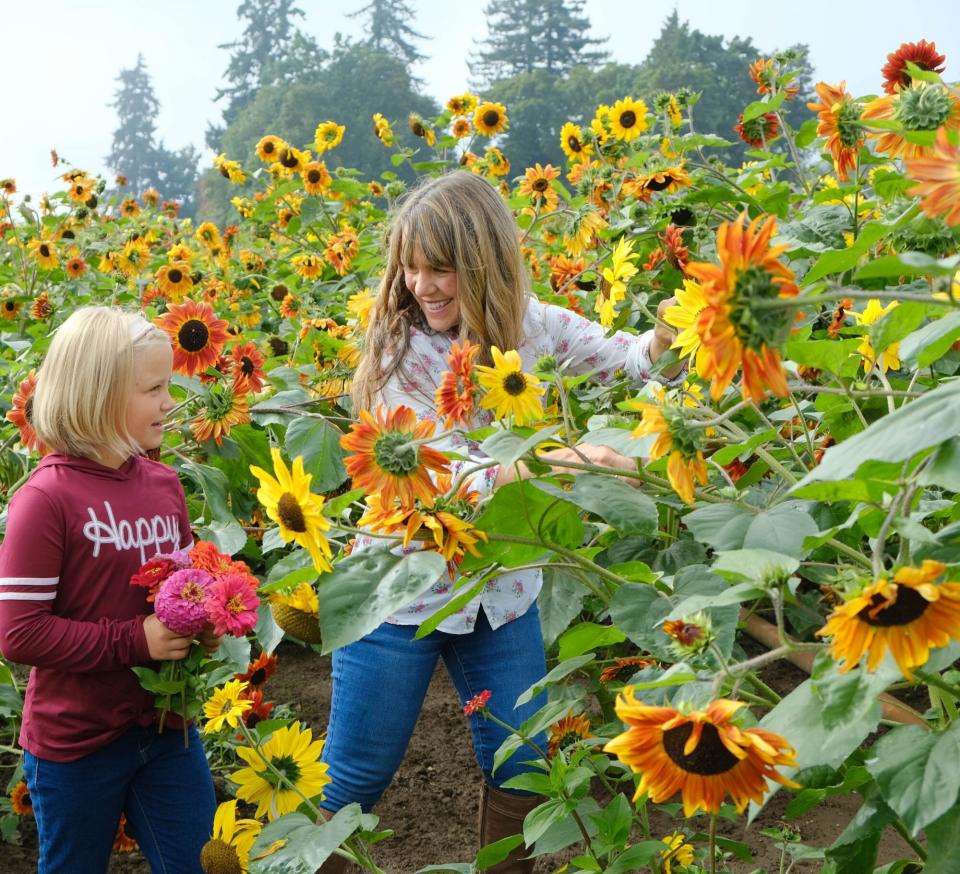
793, 498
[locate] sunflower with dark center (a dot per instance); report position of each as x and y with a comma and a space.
246, 368
909, 615
259, 671
20, 802
624, 668
628, 119
511, 393
269, 147
174, 280
490, 118
222, 408
10, 309
316, 177
197, 335
704, 755
537, 185
43, 253
569, 730
573, 144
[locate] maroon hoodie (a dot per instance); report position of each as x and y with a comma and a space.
76, 532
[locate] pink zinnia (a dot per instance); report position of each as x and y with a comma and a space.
233, 604
181, 602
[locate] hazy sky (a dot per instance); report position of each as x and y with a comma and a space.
61, 57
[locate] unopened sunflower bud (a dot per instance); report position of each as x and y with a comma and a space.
691, 635
546, 364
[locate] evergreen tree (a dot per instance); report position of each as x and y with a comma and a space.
133, 153
260, 56
528, 35
387, 30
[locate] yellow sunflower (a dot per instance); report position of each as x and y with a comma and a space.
229, 847
44, 253
677, 852
316, 177
328, 136
616, 277
583, 226
174, 280
909, 615
268, 149
510, 391
628, 119
290, 503
537, 185
889, 357
294, 753
226, 705
298, 612
702, 754
683, 315
573, 144
230, 170
221, 409
490, 118
381, 127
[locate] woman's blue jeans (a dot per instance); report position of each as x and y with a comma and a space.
379, 683
164, 789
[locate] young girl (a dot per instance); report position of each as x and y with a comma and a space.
90, 515
454, 270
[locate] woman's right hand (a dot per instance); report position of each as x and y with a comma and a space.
602, 456
164, 644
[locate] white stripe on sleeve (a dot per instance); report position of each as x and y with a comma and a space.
27, 596
28, 581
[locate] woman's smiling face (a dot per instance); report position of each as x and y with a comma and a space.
436, 291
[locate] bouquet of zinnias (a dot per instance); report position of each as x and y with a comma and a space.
192, 593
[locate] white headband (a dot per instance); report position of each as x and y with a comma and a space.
139, 328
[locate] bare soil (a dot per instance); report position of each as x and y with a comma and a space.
431, 806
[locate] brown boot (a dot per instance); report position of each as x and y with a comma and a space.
502, 815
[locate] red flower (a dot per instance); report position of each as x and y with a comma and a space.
924, 54
259, 671
152, 574
477, 702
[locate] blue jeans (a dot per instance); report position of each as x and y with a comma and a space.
164, 789
379, 683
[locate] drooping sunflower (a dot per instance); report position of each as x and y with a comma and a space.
228, 849
924, 54
580, 230
938, 180
44, 253
839, 121
628, 119
677, 852
909, 615
294, 753
359, 306
732, 331
671, 178
21, 414
495, 163
462, 104
921, 107
297, 612
316, 177
287, 498
872, 313
291, 160
174, 280
760, 131
457, 391
328, 136
20, 802
616, 276
566, 731
510, 391
308, 266
122, 842
246, 368
490, 119
225, 706
702, 754
269, 148
197, 334
220, 410
624, 668
573, 144
536, 184
420, 128
42, 307
389, 458
381, 127
230, 170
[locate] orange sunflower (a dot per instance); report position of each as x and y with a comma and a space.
389, 459
246, 368
221, 409
197, 334
536, 185
909, 615
921, 107
623, 668
924, 54
21, 414
839, 117
490, 119
569, 730
259, 671
316, 177
734, 331
10, 309
20, 802
457, 392
702, 754
174, 280
76, 267
938, 180
760, 131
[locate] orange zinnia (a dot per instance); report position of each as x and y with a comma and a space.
457, 392
702, 754
390, 459
197, 334
839, 118
732, 334
938, 180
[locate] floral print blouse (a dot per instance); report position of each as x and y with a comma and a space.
575, 342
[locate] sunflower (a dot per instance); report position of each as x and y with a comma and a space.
130, 208
44, 253
225, 706
759, 131
328, 136
616, 277
419, 128
677, 852
461, 128
41, 308
246, 368
359, 306
381, 127
316, 177
174, 280
569, 730
762, 72
76, 267
686, 465
732, 333
390, 458
908, 615
230, 170
297, 613
20, 799
308, 266
21, 413
684, 314
623, 668
228, 849
221, 409
290, 306
10, 309
457, 391
269, 148
197, 334
509, 391
490, 119
924, 54
289, 502
584, 225
938, 180
81, 189
628, 119
702, 754
260, 670
671, 178
839, 121
889, 357
922, 107
295, 754
290, 161
462, 104
689, 635
536, 184
573, 144
8, 187
671, 249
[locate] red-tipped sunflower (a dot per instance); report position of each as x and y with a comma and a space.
222, 408
839, 117
938, 180
624, 668
924, 54
246, 368
568, 730
702, 754
389, 458
21, 414
760, 131
909, 615
197, 334
457, 392
735, 333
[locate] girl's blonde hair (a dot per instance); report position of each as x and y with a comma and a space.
83, 387
459, 222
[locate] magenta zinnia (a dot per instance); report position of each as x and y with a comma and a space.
233, 604
181, 602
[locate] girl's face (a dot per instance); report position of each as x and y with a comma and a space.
436, 291
150, 399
